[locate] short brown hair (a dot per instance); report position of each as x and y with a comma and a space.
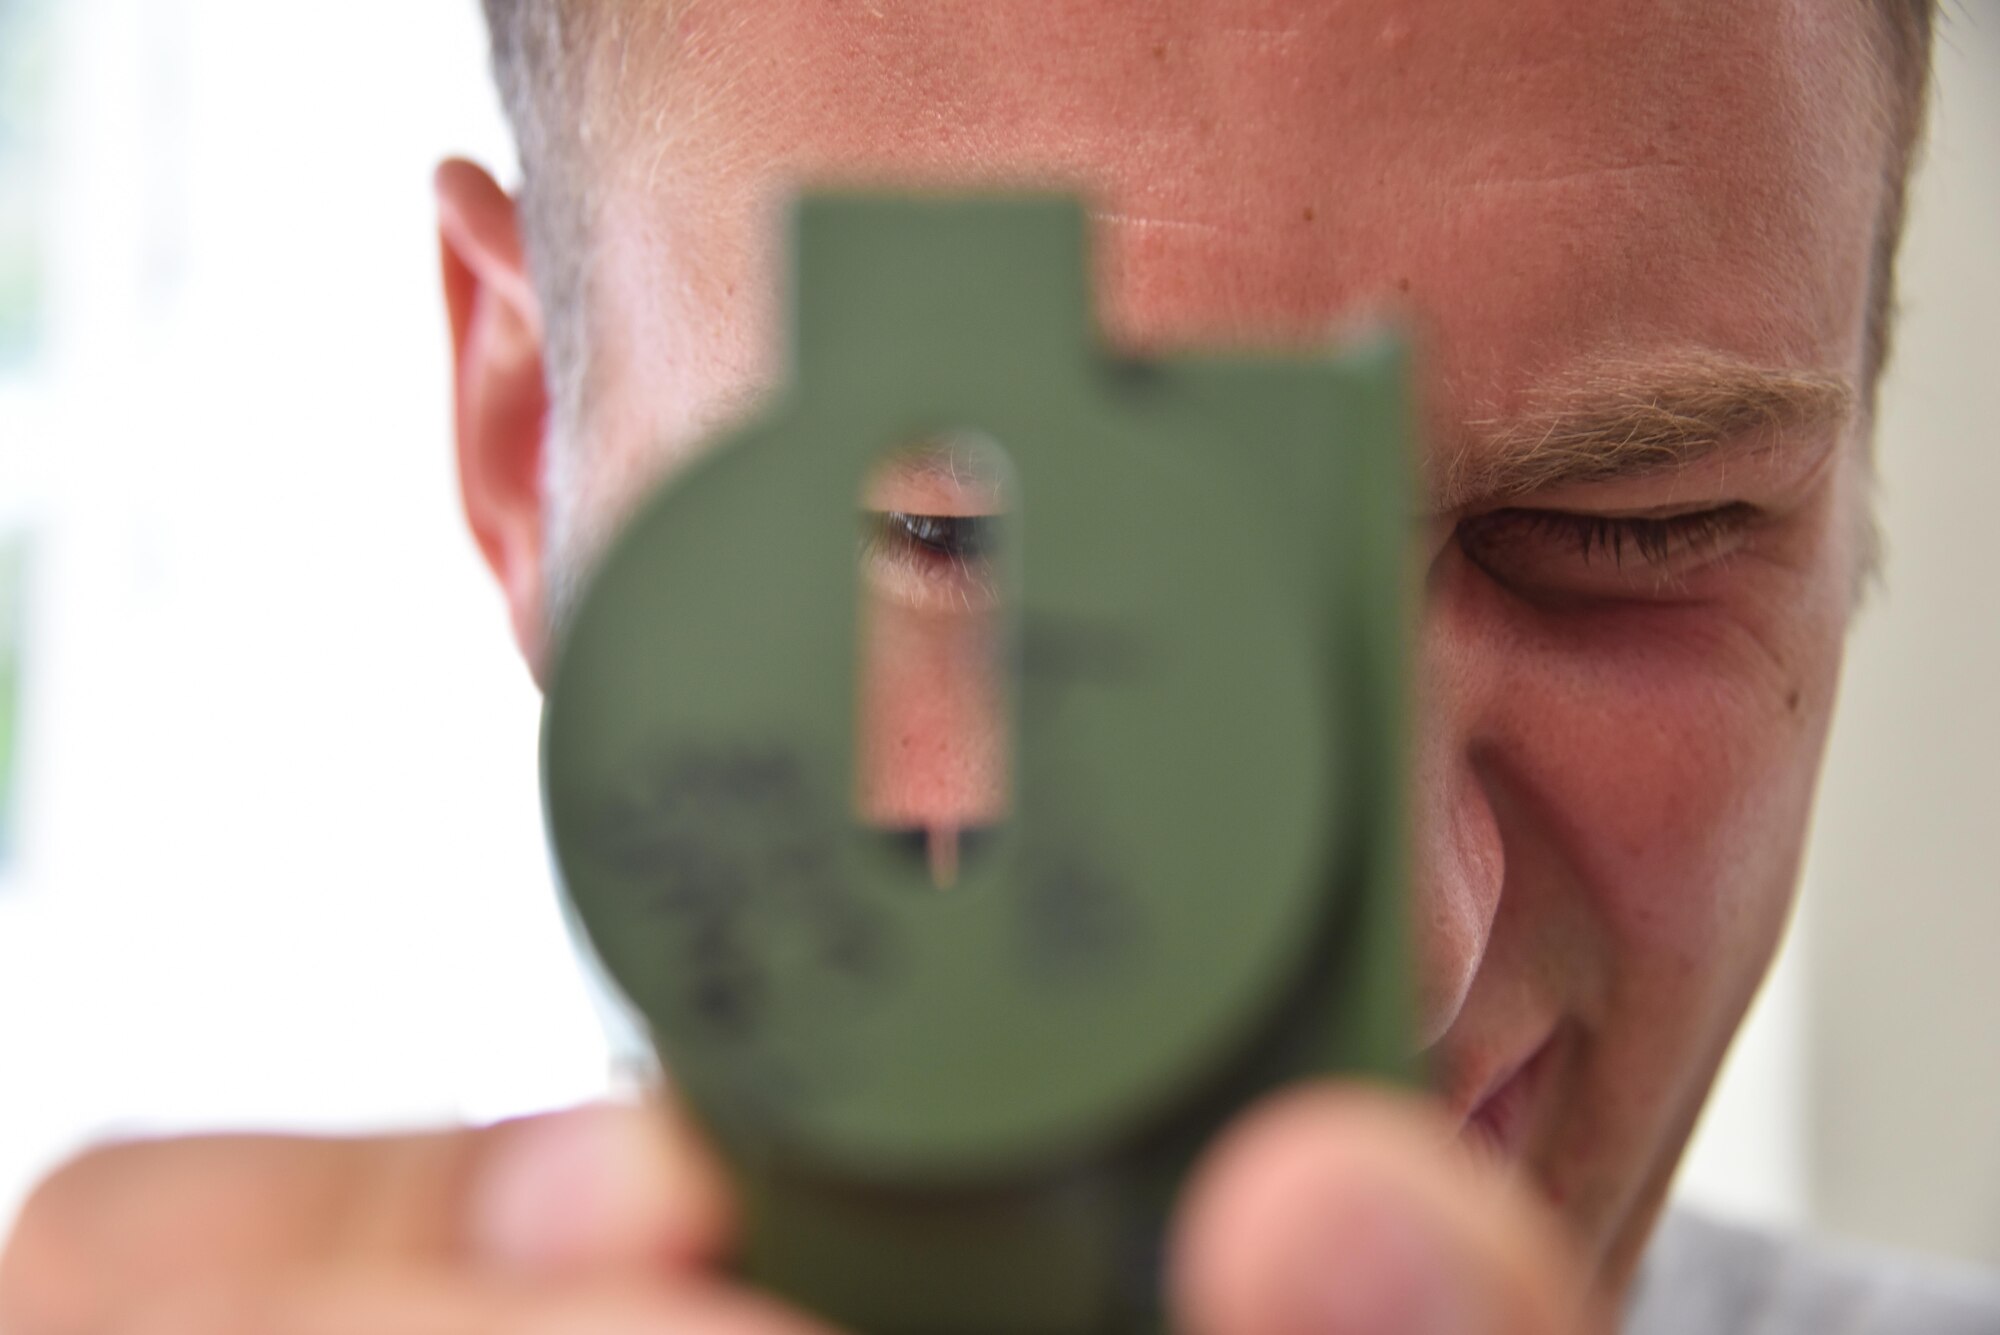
541, 62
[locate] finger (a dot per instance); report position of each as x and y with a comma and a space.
459, 1305
598, 1190
122, 1222
587, 1191
1343, 1209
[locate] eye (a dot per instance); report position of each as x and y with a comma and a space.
1560, 553
931, 562
947, 537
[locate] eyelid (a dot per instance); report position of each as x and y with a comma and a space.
937, 482
1575, 553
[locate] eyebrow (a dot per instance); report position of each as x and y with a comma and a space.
1615, 420
960, 465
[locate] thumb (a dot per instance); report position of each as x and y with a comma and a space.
1338, 1209
593, 1191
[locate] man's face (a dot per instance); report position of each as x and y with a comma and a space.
1633, 240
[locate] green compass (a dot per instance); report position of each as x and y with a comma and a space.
967, 1111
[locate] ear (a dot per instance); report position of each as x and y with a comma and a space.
499, 390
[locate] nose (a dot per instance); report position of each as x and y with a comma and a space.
1458, 862
931, 728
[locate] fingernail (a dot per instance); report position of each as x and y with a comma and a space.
1373, 1269
567, 1191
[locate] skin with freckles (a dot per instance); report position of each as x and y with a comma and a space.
1582, 209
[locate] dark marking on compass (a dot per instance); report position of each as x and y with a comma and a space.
727, 860
1079, 919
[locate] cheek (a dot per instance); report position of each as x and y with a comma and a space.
1668, 753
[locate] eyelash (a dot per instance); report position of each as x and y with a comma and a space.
1655, 540
959, 541
957, 538
1560, 551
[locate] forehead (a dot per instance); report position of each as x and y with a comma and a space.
1531, 181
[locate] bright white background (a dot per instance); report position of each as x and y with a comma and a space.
282, 861
282, 864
